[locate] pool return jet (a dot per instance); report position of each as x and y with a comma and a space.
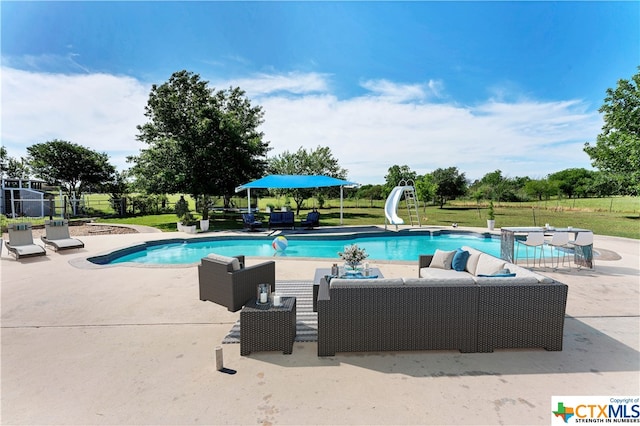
406, 188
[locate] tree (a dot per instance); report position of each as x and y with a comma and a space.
200, 141
450, 184
72, 166
118, 189
13, 168
494, 186
426, 188
539, 189
18, 168
574, 182
370, 192
617, 148
605, 184
312, 162
4, 159
396, 174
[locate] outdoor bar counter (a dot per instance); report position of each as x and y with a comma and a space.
583, 255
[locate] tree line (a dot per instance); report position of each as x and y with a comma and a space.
205, 142
446, 184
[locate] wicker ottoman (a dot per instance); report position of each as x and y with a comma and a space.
268, 328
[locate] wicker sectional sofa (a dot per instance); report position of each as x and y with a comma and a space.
443, 309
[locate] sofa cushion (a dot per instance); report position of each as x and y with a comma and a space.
442, 259
506, 280
524, 272
488, 265
442, 273
519, 270
226, 260
365, 282
459, 262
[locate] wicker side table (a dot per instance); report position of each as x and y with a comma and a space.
268, 328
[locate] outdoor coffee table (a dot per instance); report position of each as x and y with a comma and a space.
322, 272
268, 328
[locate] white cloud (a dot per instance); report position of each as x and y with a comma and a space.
100, 111
395, 92
294, 83
367, 134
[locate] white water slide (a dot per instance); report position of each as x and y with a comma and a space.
391, 205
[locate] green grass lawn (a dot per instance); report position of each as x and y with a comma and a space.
614, 224
617, 216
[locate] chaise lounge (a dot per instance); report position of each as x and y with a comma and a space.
57, 236
478, 308
21, 243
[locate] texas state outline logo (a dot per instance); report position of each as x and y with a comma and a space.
595, 409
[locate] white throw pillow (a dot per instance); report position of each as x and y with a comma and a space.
472, 263
488, 265
442, 259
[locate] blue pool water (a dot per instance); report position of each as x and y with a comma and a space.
382, 246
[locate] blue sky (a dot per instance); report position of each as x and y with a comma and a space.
481, 86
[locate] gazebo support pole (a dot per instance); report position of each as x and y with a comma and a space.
341, 198
249, 200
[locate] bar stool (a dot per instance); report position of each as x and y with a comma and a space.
535, 240
559, 242
583, 249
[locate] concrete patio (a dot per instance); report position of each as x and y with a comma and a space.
134, 345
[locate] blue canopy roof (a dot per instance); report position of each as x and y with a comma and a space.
294, 181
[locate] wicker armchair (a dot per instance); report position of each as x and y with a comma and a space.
227, 282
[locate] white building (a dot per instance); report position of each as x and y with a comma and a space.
24, 197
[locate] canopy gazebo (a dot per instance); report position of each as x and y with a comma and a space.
295, 181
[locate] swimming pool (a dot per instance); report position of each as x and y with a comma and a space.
380, 246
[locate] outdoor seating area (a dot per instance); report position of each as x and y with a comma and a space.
559, 239
477, 308
464, 300
281, 220
166, 341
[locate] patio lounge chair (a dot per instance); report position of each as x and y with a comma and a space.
21, 241
57, 235
226, 281
249, 221
312, 220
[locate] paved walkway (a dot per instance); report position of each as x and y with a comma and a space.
135, 345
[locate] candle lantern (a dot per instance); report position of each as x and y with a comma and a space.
263, 294
277, 299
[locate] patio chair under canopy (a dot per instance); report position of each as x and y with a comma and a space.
296, 181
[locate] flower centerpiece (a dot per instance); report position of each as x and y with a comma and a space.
353, 255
